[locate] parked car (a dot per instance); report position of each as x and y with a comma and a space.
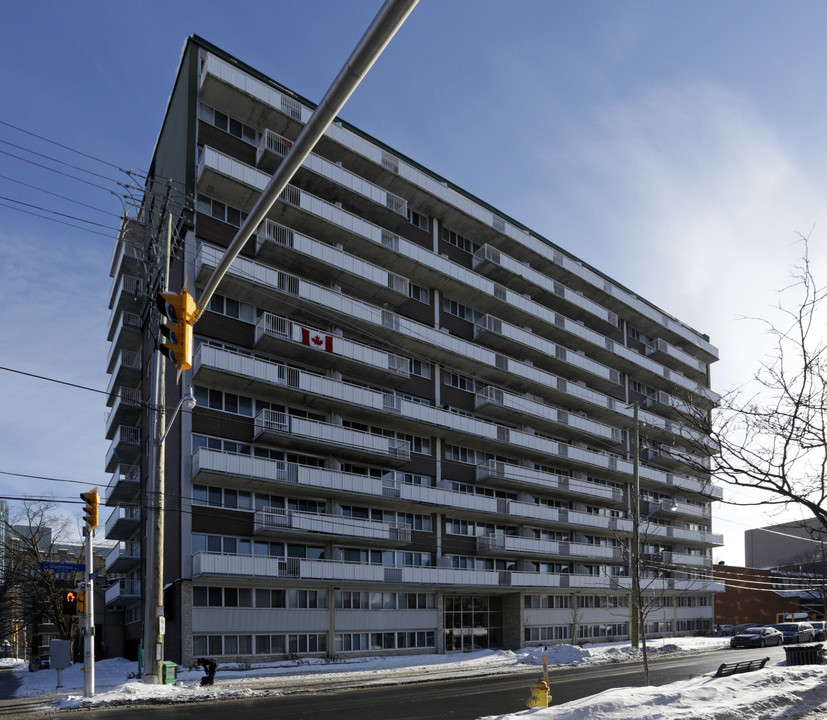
742, 627
725, 629
756, 636
796, 632
818, 626
41, 662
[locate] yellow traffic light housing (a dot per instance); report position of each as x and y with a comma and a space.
90, 510
81, 602
180, 309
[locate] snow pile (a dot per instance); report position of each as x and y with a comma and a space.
775, 693
778, 693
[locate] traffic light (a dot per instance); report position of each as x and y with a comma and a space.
90, 510
180, 309
81, 602
70, 602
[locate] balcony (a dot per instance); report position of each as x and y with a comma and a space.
522, 278
322, 177
123, 592
499, 543
526, 478
126, 410
122, 558
123, 522
277, 335
126, 291
277, 521
297, 432
128, 253
218, 565
675, 358
519, 409
299, 253
124, 448
503, 337
225, 85
124, 334
124, 485
126, 371
674, 458
681, 559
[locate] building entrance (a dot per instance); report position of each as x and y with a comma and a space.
473, 622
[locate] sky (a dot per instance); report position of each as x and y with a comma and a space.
678, 147
777, 692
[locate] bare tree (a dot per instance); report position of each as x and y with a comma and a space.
37, 534
771, 434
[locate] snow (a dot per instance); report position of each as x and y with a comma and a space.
775, 693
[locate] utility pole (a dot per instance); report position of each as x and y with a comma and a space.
388, 20
635, 549
154, 604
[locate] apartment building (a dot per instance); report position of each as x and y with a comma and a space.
415, 415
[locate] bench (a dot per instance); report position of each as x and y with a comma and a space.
735, 668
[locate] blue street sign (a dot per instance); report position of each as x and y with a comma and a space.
62, 567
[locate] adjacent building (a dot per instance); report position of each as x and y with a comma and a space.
787, 545
415, 415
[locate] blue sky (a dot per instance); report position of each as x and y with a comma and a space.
679, 147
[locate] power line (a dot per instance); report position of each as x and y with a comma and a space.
55, 212
71, 149
57, 195
59, 222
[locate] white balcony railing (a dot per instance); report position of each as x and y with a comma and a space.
281, 520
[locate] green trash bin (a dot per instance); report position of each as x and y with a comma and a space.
169, 673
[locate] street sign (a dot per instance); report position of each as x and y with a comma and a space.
62, 567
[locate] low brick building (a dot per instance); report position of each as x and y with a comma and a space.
755, 596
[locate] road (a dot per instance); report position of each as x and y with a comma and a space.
465, 699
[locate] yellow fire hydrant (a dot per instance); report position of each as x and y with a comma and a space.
540, 696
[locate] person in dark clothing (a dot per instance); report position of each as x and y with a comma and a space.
210, 666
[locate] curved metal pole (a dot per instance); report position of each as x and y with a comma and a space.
384, 26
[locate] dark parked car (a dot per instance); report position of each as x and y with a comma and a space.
39, 663
757, 637
796, 632
818, 626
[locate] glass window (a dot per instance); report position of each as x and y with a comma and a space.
214, 596
199, 543
245, 597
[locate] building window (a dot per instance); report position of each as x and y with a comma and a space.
452, 307
463, 243
419, 293
220, 211
228, 124
462, 382
232, 308
418, 219
422, 369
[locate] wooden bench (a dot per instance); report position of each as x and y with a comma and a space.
734, 668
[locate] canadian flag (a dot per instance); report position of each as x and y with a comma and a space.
314, 339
